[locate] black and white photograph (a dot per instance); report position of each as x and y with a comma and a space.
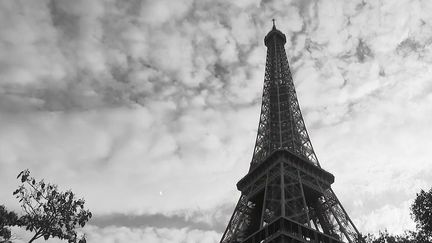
216, 121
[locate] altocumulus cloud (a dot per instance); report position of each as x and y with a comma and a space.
149, 109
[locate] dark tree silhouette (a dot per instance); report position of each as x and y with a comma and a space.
386, 237
50, 212
421, 212
6, 219
407, 237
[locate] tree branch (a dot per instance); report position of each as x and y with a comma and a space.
36, 236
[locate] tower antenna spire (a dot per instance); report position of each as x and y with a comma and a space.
274, 25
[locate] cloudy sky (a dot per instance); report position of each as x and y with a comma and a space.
149, 109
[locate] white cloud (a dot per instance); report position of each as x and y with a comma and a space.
160, 12
395, 219
149, 234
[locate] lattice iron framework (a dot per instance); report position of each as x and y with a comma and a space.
281, 123
286, 195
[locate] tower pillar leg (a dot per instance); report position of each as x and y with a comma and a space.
304, 199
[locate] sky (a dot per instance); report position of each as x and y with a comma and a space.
149, 109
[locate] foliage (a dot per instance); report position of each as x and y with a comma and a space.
385, 237
48, 211
6, 219
407, 237
421, 211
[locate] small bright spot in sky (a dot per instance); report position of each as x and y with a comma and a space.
160, 193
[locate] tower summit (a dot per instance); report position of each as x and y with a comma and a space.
286, 195
281, 125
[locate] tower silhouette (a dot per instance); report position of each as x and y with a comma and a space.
286, 195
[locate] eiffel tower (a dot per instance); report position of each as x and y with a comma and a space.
286, 195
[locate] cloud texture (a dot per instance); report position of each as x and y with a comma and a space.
149, 109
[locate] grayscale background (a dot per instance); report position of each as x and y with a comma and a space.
149, 109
